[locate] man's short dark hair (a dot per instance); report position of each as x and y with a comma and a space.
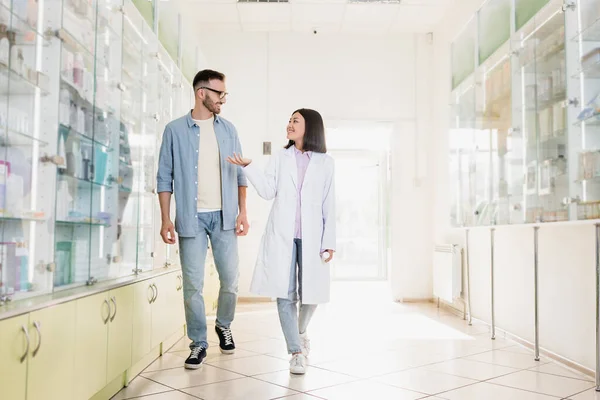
205, 76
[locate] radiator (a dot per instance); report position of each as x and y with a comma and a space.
447, 272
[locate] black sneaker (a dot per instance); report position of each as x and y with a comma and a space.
226, 340
197, 356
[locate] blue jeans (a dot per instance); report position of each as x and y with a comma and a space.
193, 256
292, 324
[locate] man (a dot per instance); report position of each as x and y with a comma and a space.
209, 192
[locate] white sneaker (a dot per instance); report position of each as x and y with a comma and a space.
298, 364
305, 344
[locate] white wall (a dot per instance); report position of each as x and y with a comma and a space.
566, 253
345, 77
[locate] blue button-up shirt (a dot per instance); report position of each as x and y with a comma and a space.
178, 171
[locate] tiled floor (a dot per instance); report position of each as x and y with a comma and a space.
363, 347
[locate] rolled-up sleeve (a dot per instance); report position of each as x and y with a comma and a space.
164, 176
241, 178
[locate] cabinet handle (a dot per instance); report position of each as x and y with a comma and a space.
36, 324
108, 316
151, 299
24, 356
114, 301
155, 296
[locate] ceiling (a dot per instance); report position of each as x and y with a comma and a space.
324, 16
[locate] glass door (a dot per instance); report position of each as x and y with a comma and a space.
361, 215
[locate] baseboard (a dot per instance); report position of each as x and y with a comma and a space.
251, 299
416, 300
111, 389
172, 340
141, 365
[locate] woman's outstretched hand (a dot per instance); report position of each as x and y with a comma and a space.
237, 159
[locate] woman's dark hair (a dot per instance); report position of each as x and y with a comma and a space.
314, 133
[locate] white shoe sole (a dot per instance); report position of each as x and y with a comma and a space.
229, 352
297, 372
193, 366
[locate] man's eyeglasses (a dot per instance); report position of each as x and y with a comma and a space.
221, 94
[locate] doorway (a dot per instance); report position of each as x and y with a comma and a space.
362, 194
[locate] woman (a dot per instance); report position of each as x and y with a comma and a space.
299, 240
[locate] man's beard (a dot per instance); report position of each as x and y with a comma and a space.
211, 106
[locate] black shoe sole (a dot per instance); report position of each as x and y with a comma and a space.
228, 352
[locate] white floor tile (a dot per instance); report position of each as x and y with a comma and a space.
519, 349
180, 378
471, 369
252, 365
315, 378
366, 390
241, 389
301, 396
556, 369
487, 391
263, 346
507, 359
140, 387
369, 366
550, 385
172, 395
429, 382
166, 361
587, 395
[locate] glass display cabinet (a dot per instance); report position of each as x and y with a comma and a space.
26, 176
495, 140
536, 112
540, 116
463, 153
85, 92
584, 119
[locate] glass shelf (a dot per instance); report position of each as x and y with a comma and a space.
589, 34
84, 183
12, 138
590, 72
67, 130
12, 83
85, 223
21, 219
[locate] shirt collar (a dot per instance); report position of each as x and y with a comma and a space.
298, 152
191, 121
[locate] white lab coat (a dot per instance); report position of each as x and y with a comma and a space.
279, 181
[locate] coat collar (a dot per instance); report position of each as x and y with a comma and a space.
315, 160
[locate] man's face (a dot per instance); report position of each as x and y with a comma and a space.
212, 94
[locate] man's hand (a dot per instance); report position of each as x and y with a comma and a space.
241, 225
330, 255
167, 232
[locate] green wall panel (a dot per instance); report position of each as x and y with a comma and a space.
494, 27
146, 8
463, 55
526, 9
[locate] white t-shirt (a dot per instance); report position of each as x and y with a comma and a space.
209, 168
